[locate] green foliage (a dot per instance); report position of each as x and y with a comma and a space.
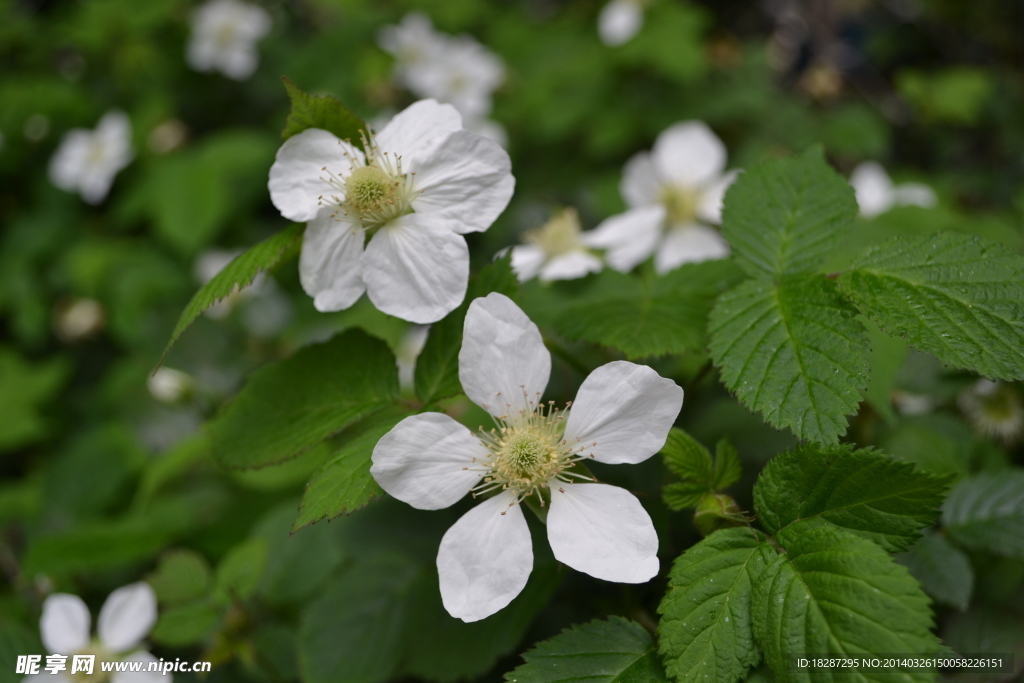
613, 650
701, 473
185, 624
182, 575
943, 569
298, 562
705, 631
15, 640
956, 96
936, 443
954, 296
793, 351
986, 512
24, 389
325, 112
239, 573
293, 404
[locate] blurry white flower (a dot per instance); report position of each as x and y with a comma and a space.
622, 414
125, 619
87, 160
619, 21
170, 386
168, 136
994, 408
673, 192
555, 251
491, 130
265, 308
224, 37
876, 193
912, 404
408, 351
390, 222
412, 41
78, 319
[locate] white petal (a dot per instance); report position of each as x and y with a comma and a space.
127, 616
239, 62
640, 184
416, 268
709, 208
422, 461
873, 188
330, 265
503, 364
418, 130
915, 194
630, 238
297, 176
627, 409
602, 531
64, 625
527, 260
689, 154
619, 21
689, 244
70, 159
143, 676
485, 559
570, 266
468, 179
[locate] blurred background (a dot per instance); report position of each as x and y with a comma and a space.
105, 476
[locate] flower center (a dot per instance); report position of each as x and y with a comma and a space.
375, 192
97, 675
369, 188
680, 203
559, 236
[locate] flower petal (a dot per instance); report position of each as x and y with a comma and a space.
503, 364
485, 559
691, 243
710, 206
873, 188
630, 238
640, 183
143, 676
416, 268
330, 265
689, 154
602, 531
468, 179
627, 409
570, 266
64, 625
297, 176
127, 616
418, 130
422, 461
527, 260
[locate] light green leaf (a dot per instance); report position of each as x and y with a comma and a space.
612, 650
265, 256
705, 632
834, 593
687, 458
181, 575
293, 404
943, 569
793, 351
701, 473
727, 465
185, 624
325, 112
239, 573
862, 491
986, 512
957, 297
683, 495
785, 216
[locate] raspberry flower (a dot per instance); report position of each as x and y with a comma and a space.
390, 222
224, 37
674, 192
555, 251
876, 192
87, 160
622, 414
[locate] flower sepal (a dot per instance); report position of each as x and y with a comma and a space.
718, 511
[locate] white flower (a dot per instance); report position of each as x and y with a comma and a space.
168, 385
423, 183
994, 408
87, 160
622, 414
125, 619
224, 37
876, 193
619, 21
556, 251
411, 42
673, 192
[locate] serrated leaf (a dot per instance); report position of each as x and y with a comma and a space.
793, 351
943, 569
986, 512
265, 256
957, 297
683, 495
437, 367
293, 404
645, 318
181, 575
612, 650
727, 465
834, 593
785, 216
861, 491
325, 112
239, 573
687, 458
705, 632
701, 473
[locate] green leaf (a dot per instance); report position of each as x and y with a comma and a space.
293, 404
185, 624
705, 632
937, 443
957, 297
684, 495
437, 367
265, 256
239, 573
325, 112
727, 465
986, 512
793, 351
182, 575
687, 458
24, 388
16, 640
612, 650
701, 473
862, 491
943, 569
298, 564
644, 318
834, 593
785, 216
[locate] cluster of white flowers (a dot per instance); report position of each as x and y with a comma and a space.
224, 37
455, 70
876, 192
87, 160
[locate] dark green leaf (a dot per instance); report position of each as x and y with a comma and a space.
298, 563
943, 569
986, 512
181, 575
939, 443
325, 112
687, 458
16, 640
